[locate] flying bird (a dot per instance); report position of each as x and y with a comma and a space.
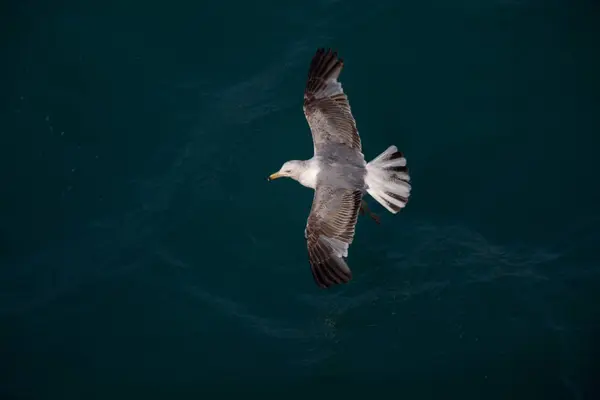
338, 173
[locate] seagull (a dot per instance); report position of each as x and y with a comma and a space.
338, 173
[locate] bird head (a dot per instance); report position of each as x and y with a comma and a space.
289, 169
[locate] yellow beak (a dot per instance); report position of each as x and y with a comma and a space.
274, 176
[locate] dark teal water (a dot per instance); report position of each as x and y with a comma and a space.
143, 254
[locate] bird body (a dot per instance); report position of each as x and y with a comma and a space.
339, 174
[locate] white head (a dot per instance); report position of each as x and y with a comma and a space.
290, 169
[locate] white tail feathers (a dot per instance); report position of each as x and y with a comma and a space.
388, 180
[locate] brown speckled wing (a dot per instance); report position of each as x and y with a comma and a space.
329, 233
326, 106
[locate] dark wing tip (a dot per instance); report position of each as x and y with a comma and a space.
324, 64
330, 272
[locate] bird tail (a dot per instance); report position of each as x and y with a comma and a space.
388, 180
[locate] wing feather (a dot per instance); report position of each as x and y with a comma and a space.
329, 232
326, 106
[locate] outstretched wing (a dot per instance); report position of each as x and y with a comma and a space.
330, 231
326, 106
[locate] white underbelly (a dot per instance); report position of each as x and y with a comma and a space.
308, 178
